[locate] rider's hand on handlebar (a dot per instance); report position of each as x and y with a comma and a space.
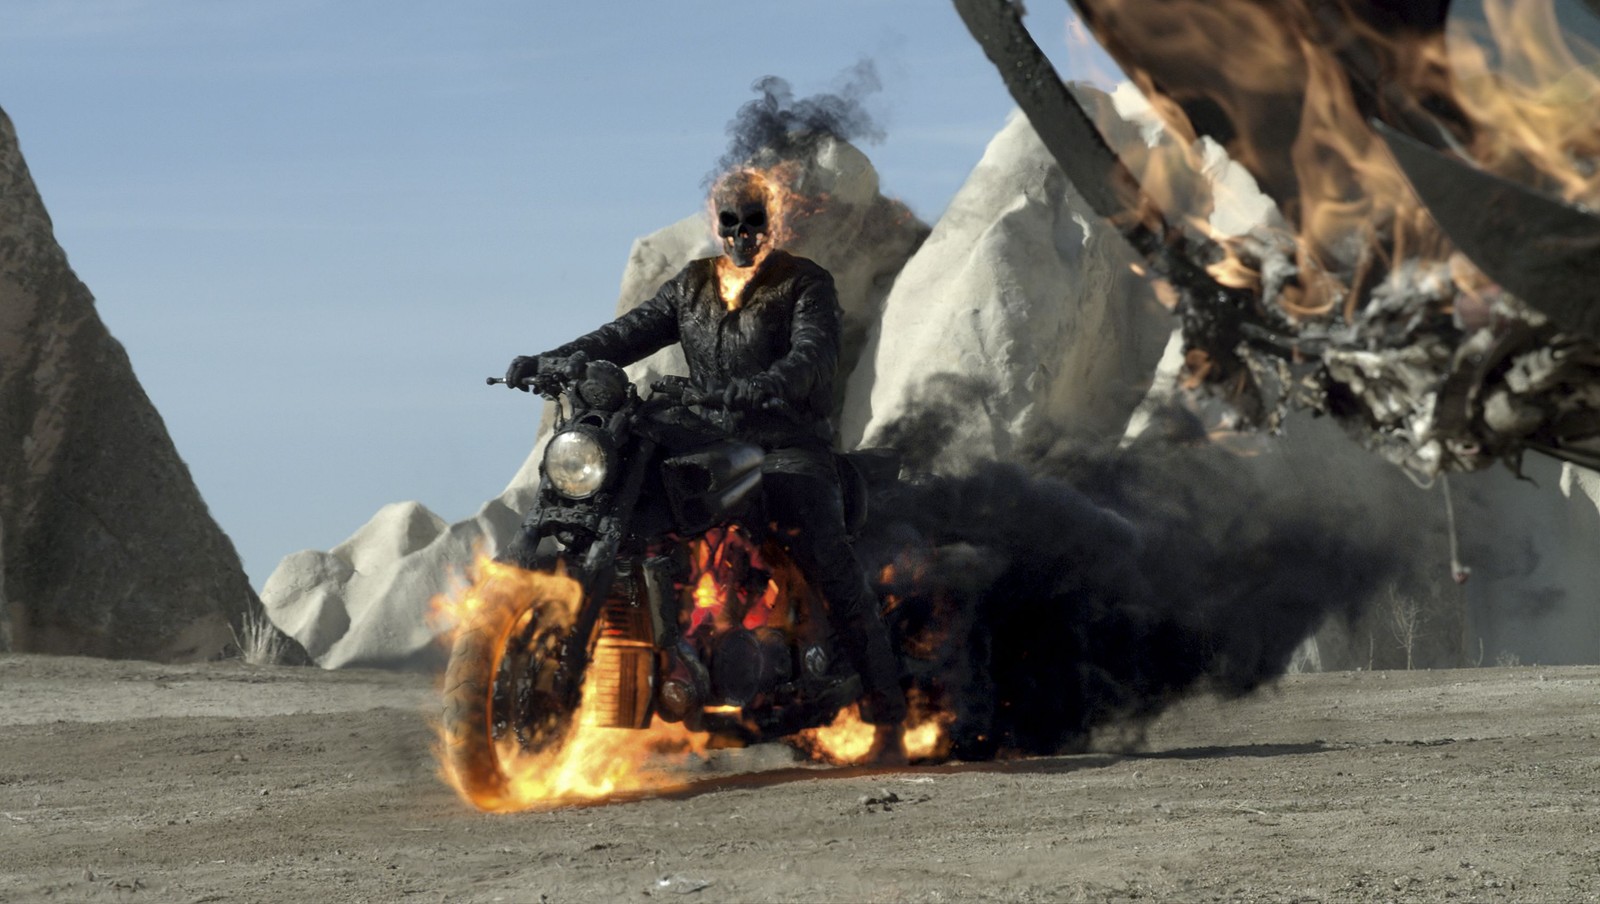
544, 373
751, 393
523, 367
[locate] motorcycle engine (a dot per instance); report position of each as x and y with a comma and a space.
746, 664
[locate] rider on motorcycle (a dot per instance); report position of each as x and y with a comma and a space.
769, 353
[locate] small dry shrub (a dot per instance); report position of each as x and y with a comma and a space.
261, 643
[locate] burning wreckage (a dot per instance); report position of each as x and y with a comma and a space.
1432, 279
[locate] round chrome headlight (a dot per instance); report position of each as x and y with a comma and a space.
575, 462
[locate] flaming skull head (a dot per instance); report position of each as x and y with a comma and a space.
741, 201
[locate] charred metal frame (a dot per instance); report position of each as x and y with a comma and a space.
1542, 251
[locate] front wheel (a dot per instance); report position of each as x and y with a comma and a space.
502, 695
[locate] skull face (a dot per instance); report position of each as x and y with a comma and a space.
740, 201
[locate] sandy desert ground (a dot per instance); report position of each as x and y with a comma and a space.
124, 781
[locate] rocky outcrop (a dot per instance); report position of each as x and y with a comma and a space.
366, 601
108, 549
1023, 288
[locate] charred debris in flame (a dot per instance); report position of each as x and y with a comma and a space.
1354, 301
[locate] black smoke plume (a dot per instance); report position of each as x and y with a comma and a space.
777, 123
1083, 587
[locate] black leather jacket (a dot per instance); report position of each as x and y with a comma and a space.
787, 328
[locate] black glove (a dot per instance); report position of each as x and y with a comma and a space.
522, 368
546, 373
752, 393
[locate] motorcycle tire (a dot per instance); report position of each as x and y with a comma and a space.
498, 700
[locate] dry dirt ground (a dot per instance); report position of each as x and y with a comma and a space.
138, 782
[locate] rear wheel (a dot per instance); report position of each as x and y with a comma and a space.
501, 695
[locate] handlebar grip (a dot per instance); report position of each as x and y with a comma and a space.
501, 381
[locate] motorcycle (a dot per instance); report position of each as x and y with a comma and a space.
687, 609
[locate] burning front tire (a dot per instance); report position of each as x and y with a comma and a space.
501, 700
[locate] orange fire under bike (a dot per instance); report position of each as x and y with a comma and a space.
688, 610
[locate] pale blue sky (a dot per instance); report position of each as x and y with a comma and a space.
318, 224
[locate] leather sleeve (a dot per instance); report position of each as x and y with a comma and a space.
642, 331
807, 372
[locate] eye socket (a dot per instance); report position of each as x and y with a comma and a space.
728, 218
757, 220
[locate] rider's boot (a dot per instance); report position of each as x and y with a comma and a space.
888, 746
865, 640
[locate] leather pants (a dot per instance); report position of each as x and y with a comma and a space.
806, 505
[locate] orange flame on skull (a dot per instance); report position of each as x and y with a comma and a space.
785, 207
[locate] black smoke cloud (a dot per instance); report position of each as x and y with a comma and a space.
777, 123
1082, 587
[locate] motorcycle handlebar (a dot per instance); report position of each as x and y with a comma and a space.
501, 381
680, 389
550, 375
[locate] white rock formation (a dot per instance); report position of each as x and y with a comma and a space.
1021, 286
366, 601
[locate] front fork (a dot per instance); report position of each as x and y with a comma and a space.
597, 571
